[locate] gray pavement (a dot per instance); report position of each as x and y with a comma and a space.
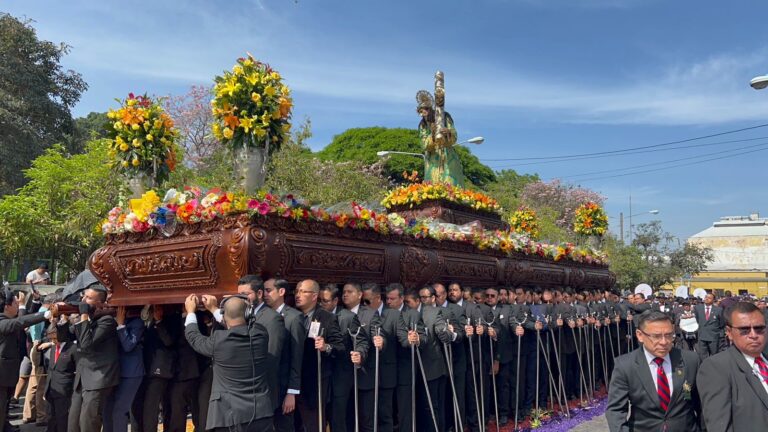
597, 424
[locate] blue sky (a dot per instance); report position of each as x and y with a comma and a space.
536, 78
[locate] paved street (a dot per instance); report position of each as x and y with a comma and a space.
595, 425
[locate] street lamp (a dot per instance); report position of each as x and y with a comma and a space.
384, 153
476, 140
621, 221
759, 82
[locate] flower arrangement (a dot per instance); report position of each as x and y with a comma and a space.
142, 138
524, 221
252, 106
416, 193
590, 220
193, 205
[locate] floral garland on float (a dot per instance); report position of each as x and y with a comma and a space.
414, 194
193, 205
142, 142
590, 220
523, 221
252, 111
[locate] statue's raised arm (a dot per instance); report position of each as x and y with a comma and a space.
438, 137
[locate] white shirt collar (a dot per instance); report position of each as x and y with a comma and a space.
381, 309
460, 302
650, 358
280, 309
355, 309
445, 304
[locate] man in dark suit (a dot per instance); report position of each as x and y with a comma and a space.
385, 339
362, 355
356, 344
240, 396
410, 333
293, 350
734, 383
328, 298
324, 336
658, 381
433, 367
711, 325
13, 321
98, 365
59, 361
457, 319
160, 358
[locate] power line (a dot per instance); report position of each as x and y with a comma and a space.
674, 166
665, 162
633, 148
631, 152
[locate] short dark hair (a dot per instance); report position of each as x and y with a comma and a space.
396, 287
653, 316
331, 288
373, 287
413, 293
739, 307
355, 285
282, 284
254, 281
429, 288
43, 265
99, 289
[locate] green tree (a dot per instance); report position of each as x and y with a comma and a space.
294, 169
362, 144
36, 96
508, 187
58, 213
691, 259
90, 127
626, 262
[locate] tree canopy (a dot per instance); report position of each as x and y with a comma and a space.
362, 144
36, 96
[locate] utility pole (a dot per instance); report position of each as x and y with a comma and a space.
621, 226
630, 218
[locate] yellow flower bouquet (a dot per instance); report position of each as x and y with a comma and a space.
252, 107
590, 220
142, 139
524, 221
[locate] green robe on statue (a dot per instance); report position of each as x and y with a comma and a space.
441, 162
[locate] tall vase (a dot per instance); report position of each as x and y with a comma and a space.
250, 168
137, 185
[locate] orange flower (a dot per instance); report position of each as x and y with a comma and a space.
232, 121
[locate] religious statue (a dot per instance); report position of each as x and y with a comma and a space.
438, 137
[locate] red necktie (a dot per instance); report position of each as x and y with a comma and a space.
56, 356
706, 314
662, 384
762, 367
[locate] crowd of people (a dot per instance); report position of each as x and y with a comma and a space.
341, 357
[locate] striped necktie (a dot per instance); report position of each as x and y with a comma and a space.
662, 387
762, 368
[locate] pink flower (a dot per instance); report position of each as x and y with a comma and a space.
263, 208
252, 204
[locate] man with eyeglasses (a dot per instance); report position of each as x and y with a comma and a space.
734, 383
711, 323
658, 381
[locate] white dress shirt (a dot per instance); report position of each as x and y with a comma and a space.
751, 361
667, 365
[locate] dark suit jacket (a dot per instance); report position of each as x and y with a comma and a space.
632, 383
61, 373
131, 338
293, 349
408, 318
11, 331
330, 331
275, 325
160, 348
710, 330
732, 397
388, 367
98, 365
240, 390
370, 320
343, 380
432, 351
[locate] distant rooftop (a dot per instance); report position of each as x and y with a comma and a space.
736, 226
737, 242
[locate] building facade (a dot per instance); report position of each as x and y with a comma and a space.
740, 248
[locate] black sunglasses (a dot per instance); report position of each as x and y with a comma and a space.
745, 331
